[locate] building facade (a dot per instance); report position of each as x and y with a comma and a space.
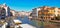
23, 13
35, 13
12, 13
48, 13
4, 11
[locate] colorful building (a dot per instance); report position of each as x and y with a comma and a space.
48, 13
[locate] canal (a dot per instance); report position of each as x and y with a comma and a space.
38, 24
26, 20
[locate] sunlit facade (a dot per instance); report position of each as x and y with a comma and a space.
48, 13
35, 13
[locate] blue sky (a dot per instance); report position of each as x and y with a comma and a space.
28, 5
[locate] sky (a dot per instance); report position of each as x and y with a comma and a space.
28, 5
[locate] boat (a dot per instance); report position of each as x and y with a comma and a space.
16, 21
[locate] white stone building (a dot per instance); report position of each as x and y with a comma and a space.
5, 10
23, 13
35, 13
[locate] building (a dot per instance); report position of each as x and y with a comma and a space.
59, 11
23, 13
34, 13
48, 13
12, 13
4, 11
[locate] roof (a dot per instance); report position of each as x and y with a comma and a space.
27, 26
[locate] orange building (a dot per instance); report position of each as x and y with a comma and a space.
47, 13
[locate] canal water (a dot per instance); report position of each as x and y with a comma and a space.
38, 24
26, 20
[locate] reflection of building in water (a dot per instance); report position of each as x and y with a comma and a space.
4, 11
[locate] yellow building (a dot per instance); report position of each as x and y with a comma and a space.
47, 13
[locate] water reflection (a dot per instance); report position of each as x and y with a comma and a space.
38, 23
24, 20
